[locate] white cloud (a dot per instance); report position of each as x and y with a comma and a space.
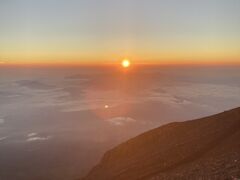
36, 138
120, 121
32, 134
33, 137
166, 98
195, 90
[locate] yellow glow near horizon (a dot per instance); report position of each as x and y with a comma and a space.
79, 39
126, 63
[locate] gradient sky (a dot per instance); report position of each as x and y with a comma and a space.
79, 31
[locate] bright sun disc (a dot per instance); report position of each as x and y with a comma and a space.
125, 63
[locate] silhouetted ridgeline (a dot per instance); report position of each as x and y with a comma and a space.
207, 148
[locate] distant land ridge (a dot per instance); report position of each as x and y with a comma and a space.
206, 148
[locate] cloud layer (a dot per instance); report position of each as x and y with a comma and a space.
120, 121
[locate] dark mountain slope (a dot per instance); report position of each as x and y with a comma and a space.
207, 148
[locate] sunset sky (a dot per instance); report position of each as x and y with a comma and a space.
105, 31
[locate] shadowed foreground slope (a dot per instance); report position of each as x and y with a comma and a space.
207, 148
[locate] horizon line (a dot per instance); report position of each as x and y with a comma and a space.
94, 64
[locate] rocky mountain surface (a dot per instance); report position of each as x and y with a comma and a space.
207, 148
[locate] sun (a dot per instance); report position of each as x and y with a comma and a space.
126, 63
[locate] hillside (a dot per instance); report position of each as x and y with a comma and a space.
207, 148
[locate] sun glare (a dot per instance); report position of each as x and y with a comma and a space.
126, 63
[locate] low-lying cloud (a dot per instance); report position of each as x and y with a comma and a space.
120, 121
35, 137
32, 134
